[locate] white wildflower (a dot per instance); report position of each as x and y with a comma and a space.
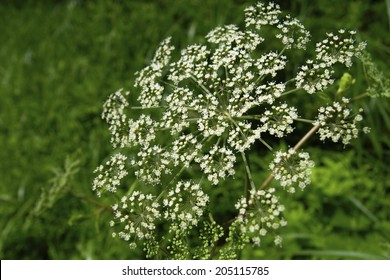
337, 122
114, 114
137, 216
218, 163
185, 149
192, 64
180, 104
293, 33
197, 112
152, 163
151, 90
185, 204
292, 169
260, 15
340, 47
243, 136
314, 77
259, 214
270, 63
109, 176
142, 131
279, 120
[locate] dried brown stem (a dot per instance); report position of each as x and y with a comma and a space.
296, 148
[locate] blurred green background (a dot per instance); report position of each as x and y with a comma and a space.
59, 60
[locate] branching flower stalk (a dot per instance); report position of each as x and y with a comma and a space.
299, 145
199, 119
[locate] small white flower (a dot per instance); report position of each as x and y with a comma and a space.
339, 48
217, 100
109, 176
114, 114
185, 205
137, 215
218, 163
151, 90
257, 215
291, 168
337, 123
279, 120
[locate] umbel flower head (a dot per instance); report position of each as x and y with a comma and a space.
203, 113
110, 175
185, 204
337, 122
138, 214
259, 215
209, 93
292, 168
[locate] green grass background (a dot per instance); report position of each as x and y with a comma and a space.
59, 60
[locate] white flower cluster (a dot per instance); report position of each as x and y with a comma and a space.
261, 15
340, 47
180, 103
142, 131
291, 31
114, 114
243, 136
213, 88
217, 163
184, 205
270, 63
184, 150
337, 122
233, 46
109, 176
138, 215
278, 121
260, 214
192, 63
151, 90
314, 77
291, 168
216, 100
317, 74
152, 163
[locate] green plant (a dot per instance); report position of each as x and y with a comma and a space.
199, 118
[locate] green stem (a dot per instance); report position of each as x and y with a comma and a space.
201, 85
307, 136
289, 91
249, 117
359, 97
248, 173
132, 187
146, 108
304, 120
92, 201
266, 144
